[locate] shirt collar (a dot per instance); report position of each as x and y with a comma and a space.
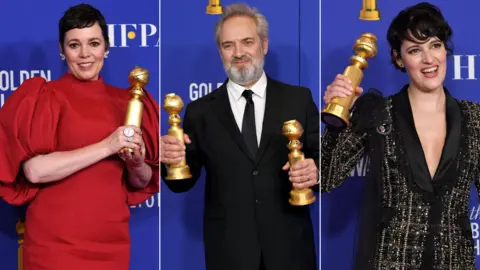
258, 89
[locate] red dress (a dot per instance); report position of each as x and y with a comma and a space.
81, 222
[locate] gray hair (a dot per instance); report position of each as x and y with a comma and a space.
243, 10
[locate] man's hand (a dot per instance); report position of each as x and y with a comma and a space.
303, 174
172, 150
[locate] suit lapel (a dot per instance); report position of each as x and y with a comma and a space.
271, 120
413, 147
419, 173
222, 108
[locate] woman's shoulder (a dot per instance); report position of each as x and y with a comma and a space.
116, 91
470, 108
114, 87
33, 88
370, 110
33, 83
467, 104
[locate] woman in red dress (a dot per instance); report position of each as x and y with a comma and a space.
60, 144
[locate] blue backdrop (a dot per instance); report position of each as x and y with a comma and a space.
29, 47
340, 26
191, 68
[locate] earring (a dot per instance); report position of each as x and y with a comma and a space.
105, 55
62, 56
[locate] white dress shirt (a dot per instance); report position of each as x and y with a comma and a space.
238, 102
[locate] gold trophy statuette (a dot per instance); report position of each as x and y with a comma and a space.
138, 78
337, 112
173, 105
293, 130
214, 7
369, 11
20, 228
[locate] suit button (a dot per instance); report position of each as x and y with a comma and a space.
257, 202
255, 172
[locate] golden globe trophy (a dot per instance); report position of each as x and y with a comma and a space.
337, 112
173, 105
293, 130
138, 78
214, 7
20, 228
369, 11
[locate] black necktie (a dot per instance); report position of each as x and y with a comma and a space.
248, 126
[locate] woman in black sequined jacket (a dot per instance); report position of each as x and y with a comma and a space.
424, 152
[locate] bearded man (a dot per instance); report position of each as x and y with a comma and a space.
235, 134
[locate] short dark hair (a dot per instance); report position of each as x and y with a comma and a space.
420, 22
81, 16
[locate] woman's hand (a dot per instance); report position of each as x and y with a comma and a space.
126, 137
341, 87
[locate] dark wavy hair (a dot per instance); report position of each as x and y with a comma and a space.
418, 23
81, 16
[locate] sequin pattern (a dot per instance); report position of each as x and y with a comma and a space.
402, 240
340, 153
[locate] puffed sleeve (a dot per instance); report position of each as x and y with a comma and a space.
28, 121
151, 137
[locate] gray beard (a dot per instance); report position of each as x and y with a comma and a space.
247, 75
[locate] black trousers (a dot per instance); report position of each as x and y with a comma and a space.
262, 264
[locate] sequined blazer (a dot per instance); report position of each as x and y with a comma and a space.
409, 219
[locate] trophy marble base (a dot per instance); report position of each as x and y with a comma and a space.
178, 173
336, 115
300, 197
369, 15
214, 10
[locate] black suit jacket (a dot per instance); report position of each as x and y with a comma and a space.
247, 215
